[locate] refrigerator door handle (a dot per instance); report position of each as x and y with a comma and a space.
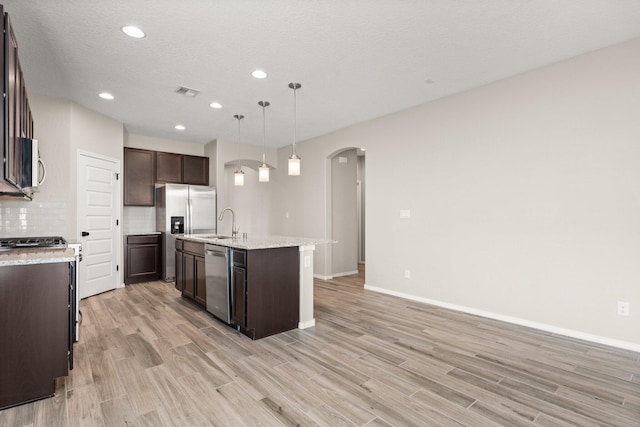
187, 228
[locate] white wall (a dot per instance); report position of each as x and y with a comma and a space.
133, 140
62, 128
47, 214
92, 132
524, 197
362, 206
252, 203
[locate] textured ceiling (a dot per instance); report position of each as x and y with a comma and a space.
356, 59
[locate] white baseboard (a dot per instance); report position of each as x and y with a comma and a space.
515, 320
321, 277
346, 273
308, 324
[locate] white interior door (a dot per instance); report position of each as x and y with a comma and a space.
98, 228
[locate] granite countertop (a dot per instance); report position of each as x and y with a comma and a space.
256, 242
36, 256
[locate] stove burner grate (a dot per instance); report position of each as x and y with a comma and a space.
32, 242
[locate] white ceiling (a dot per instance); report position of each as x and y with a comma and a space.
356, 59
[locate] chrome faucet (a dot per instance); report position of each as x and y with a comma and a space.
234, 229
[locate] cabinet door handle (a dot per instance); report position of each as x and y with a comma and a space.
216, 254
84, 233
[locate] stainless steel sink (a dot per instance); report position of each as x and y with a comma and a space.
213, 236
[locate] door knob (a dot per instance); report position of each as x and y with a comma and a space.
85, 233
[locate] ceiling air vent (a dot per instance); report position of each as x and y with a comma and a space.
191, 93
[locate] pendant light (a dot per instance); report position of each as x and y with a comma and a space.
294, 160
238, 175
263, 171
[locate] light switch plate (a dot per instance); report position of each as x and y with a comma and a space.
405, 213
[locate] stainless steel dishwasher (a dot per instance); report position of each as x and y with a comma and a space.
218, 283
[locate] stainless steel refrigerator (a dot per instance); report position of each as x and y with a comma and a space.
183, 209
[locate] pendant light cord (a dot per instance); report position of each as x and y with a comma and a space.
295, 119
239, 117
264, 132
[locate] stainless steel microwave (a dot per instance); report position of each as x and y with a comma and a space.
33, 169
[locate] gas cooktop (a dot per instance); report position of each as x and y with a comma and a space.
7, 243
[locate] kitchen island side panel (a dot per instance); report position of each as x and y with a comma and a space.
273, 290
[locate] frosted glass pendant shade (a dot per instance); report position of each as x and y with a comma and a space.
294, 161
238, 178
294, 165
263, 173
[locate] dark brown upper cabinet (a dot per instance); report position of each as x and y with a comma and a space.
195, 170
143, 168
17, 121
182, 169
139, 177
168, 167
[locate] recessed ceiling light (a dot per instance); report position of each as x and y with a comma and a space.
259, 74
215, 105
106, 95
133, 31
180, 127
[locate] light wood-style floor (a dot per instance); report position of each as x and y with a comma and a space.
149, 358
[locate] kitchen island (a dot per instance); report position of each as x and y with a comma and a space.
271, 277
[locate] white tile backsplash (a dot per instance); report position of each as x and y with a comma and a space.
32, 219
139, 219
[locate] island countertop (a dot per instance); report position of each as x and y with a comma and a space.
255, 242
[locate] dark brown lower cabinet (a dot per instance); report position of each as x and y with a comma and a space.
266, 290
191, 279
189, 265
34, 330
179, 268
142, 258
239, 309
200, 285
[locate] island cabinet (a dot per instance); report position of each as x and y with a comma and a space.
190, 274
265, 290
142, 258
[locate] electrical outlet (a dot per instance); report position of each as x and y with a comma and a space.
623, 308
407, 274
